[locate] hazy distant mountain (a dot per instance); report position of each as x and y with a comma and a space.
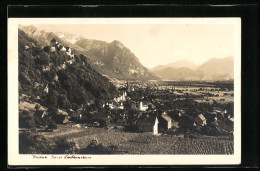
179, 74
111, 59
178, 64
214, 69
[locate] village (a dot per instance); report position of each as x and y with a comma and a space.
138, 109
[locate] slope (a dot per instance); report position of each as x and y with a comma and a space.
57, 78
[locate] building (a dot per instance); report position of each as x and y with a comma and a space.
46, 89
46, 68
148, 124
165, 122
63, 66
121, 97
54, 42
128, 89
125, 93
230, 122
56, 78
70, 62
71, 56
68, 49
211, 116
142, 107
26, 47
62, 48
110, 105
217, 109
121, 106
200, 120
52, 49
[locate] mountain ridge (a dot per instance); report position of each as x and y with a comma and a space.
112, 59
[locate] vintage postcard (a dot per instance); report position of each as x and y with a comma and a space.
124, 91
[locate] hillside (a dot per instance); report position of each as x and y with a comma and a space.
119, 62
111, 59
57, 78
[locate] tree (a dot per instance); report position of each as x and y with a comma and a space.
26, 120
52, 98
52, 111
63, 102
52, 125
230, 108
98, 103
37, 107
42, 60
186, 122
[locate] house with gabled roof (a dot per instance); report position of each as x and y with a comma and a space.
62, 48
165, 121
148, 124
142, 107
211, 116
68, 49
54, 42
200, 120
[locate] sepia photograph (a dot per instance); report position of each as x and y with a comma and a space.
124, 89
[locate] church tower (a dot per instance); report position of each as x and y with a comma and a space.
128, 87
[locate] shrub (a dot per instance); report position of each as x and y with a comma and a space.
30, 143
130, 128
209, 130
63, 146
95, 148
52, 125
26, 120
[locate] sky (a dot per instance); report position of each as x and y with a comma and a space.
160, 44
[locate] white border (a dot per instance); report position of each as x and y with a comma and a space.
14, 158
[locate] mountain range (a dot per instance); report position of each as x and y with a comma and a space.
213, 69
116, 61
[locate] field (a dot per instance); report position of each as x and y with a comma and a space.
143, 143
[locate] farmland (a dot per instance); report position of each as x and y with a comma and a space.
142, 143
